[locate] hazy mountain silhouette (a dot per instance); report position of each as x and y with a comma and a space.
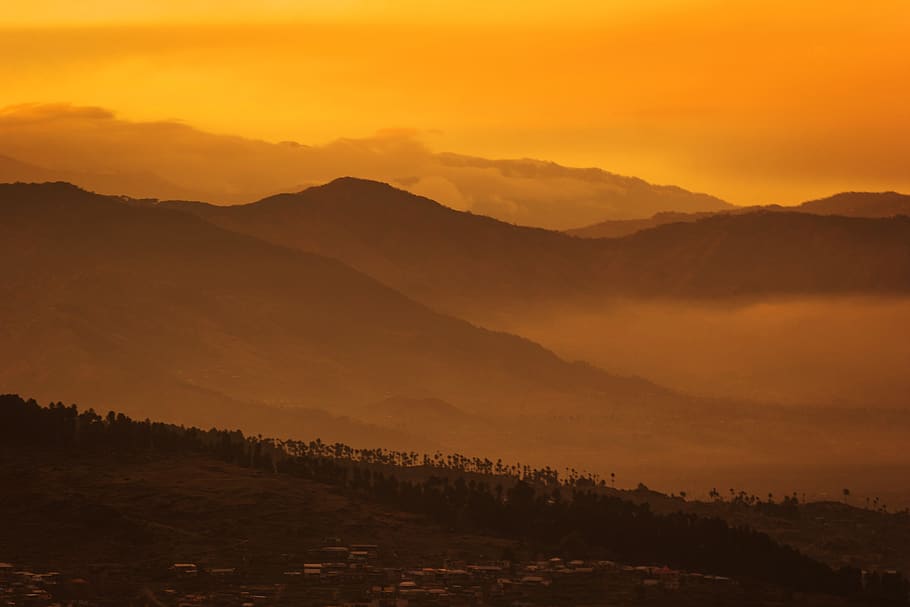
153, 309
94, 149
431, 408
617, 228
14, 170
442, 256
135, 306
860, 204
434, 418
765, 253
456, 261
847, 204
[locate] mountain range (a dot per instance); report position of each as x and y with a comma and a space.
152, 308
846, 204
93, 148
334, 312
456, 261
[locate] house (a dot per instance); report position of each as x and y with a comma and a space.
223, 572
534, 580
334, 554
312, 571
185, 569
372, 550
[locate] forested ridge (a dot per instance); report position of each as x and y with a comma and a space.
568, 516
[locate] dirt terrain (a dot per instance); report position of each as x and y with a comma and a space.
150, 513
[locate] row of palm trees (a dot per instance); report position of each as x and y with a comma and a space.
546, 476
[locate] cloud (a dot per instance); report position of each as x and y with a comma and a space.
39, 112
167, 159
438, 188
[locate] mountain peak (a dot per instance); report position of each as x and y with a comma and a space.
352, 195
358, 186
57, 193
44, 186
46, 192
351, 181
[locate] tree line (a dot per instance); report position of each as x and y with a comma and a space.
567, 516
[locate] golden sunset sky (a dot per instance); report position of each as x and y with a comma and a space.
753, 101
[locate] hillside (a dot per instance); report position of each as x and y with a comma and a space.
617, 228
429, 417
157, 510
130, 498
764, 253
13, 170
413, 244
860, 204
846, 204
458, 261
158, 311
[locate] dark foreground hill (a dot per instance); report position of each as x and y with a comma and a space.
144, 494
457, 261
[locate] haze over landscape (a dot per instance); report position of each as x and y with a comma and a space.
625, 286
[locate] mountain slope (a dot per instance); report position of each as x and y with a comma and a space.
412, 243
458, 261
14, 170
860, 204
617, 228
765, 253
149, 512
846, 204
154, 309
161, 314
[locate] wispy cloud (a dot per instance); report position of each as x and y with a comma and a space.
163, 159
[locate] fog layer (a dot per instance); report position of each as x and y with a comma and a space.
816, 351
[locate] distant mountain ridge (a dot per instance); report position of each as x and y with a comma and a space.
453, 260
149, 309
96, 150
155, 309
860, 204
409, 242
846, 204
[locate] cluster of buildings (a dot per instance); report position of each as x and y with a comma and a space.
354, 576
357, 576
19, 587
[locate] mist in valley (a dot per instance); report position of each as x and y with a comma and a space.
817, 351
807, 395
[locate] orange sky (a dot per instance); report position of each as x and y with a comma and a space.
752, 101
